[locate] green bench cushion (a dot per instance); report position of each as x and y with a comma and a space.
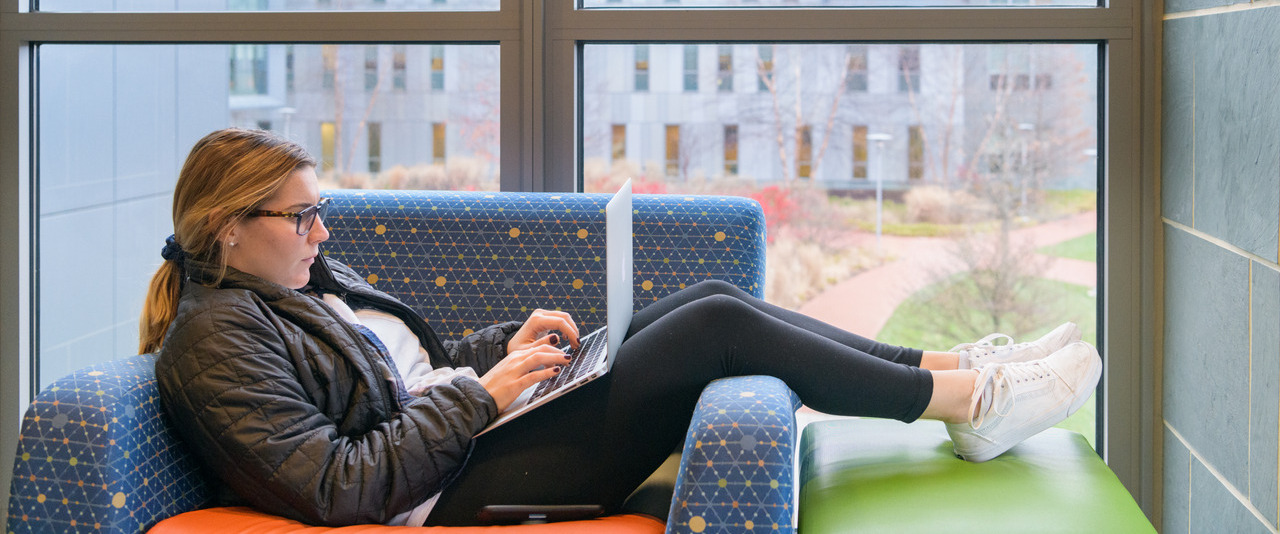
875, 475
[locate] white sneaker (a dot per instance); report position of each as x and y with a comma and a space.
1014, 401
985, 351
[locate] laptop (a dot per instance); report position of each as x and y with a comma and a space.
596, 351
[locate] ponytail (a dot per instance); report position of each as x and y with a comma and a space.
160, 306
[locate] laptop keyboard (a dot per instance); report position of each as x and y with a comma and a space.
589, 353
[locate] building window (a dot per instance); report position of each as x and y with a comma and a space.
673, 150
915, 152
248, 69
328, 145
288, 67
724, 70
909, 69
642, 68
370, 67
618, 151
438, 143
856, 78
329, 57
399, 54
690, 68
860, 152
804, 151
375, 147
731, 149
764, 67
437, 67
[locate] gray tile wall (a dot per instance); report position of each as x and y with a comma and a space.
1221, 209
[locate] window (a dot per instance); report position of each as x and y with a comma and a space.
541, 151
915, 153
731, 149
764, 67
856, 79
264, 5
909, 69
328, 146
642, 67
860, 152
438, 140
329, 56
288, 68
375, 147
619, 144
673, 150
399, 67
370, 67
437, 67
248, 69
804, 151
691, 68
724, 70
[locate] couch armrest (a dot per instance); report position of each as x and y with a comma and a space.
737, 466
95, 454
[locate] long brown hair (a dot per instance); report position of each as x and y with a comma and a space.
228, 174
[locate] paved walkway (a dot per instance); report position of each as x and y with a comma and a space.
863, 303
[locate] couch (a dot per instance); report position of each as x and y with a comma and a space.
96, 453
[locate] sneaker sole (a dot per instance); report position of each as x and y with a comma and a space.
1080, 397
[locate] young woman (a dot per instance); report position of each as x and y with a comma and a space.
311, 395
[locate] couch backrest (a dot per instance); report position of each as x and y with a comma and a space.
465, 260
95, 453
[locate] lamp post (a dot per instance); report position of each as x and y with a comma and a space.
880, 139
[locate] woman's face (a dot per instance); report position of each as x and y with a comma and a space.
270, 247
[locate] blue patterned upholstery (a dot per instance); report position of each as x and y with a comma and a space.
736, 468
96, 455
465, 260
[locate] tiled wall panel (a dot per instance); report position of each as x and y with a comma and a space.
1221, 203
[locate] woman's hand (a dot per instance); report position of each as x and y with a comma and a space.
535, 328
521, 369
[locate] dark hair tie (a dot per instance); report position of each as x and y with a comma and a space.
172, 251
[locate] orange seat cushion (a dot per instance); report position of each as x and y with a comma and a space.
247, 520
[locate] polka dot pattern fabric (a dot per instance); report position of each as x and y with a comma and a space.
736, 469
95, 454
466, 260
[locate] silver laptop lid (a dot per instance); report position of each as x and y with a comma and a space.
618, 278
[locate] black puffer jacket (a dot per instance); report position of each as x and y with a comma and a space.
291, 408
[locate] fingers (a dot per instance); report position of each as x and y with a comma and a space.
545, 320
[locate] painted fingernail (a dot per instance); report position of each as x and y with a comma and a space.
555, 340
567, 357
558, 368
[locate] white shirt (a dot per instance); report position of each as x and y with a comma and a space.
414, 365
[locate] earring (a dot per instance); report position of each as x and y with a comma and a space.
233, 243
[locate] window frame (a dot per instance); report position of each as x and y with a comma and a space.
540, 44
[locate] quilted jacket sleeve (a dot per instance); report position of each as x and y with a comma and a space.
482, 349
235, 394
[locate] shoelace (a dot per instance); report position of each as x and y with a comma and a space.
986, 344
1000, 378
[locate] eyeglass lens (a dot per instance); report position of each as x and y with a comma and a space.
307, 218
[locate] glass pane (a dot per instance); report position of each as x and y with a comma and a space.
266, 5
756, 4
116, 122
907, 196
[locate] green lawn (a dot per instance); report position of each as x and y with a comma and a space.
909, 327
1084, 248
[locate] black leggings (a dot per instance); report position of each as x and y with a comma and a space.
598, 443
